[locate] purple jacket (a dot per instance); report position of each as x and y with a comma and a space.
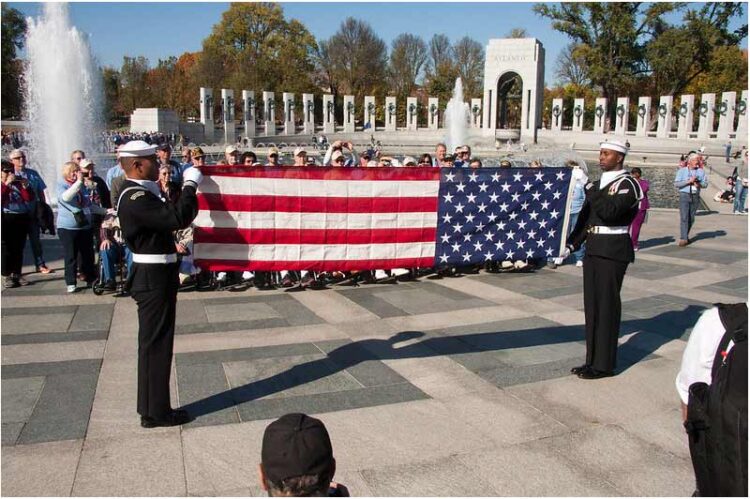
644, 204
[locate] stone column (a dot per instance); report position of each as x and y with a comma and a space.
600, 115
227, 111
308, 106
742, 116
329, 118
411, 113
433, 113
685, 121
578, 115
621, 115
349, 113
370, 109
476, 113
289, 127
390, 114
706, 113
248, 112
207, 113
557, 115
664, 117
269, 113
644, 113
726, 109
489, 114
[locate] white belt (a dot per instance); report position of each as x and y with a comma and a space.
145, 258
603, 229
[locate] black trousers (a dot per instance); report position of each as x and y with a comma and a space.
15, 228
156, 317
75, 242
602, 281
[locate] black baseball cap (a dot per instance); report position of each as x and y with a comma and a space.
296, 445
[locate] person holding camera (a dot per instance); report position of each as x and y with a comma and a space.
17, 195
335, 155
689, 180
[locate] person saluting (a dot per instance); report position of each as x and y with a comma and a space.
148, 222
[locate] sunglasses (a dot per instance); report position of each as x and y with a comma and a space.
338, 160
19, 157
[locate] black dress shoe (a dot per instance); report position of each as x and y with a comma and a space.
174, 418
580, 369
592, 373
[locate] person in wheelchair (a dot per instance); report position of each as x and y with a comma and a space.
112, 251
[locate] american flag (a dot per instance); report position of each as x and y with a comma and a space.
377, 218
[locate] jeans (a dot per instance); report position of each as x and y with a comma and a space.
688, 206
110, 257
73, 242
36, 245
740, 193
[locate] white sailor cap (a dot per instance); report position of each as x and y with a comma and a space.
136, 149
614, 145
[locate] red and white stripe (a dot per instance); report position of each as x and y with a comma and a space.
316, 218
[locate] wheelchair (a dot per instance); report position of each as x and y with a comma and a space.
121, 268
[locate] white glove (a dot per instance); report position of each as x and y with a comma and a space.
578, 174
192, 174
565, 253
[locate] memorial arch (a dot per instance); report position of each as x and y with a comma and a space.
513, 88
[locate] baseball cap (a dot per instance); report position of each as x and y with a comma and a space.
198, 152
299, 151
273, 150
295, 445
164, 147
86, 163
368, 153
409, 161
336, 155
231, 149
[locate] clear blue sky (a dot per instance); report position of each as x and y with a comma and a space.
160, 30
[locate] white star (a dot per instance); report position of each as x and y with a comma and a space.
533, 215
445, 238
460, 187
516, 177
536, 195
543, 224
456, 247
513, 215
443, 258
460, 208
520, 244
470, 218
554, 213
482, 207
499, 245
496, 177
466, 256
510, 234
547, 186
525, 206
472, 198
488, 256
540, 243
506, 187
483, 187
448, 198
539, 176
467, 238
551, 232
560, 175
515, 197
531, 234
480, 227
501, 225
493, 197
509, 254
527, 186
449, 177
473, 177
491, 217
529, 253
545, 205
504, 207
447, 218
457, 227
489, 236
521, 225
477, 246
549, 252
556, 195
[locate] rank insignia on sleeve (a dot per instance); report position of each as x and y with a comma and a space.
137, 194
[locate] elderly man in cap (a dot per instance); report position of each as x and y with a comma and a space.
232, 155
689, 180
164, 153
274, 157
148, 224
300, 157
611, 205
297, 459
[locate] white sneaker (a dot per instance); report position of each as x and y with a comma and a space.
579, 263
72, 288
247, 275
221, 276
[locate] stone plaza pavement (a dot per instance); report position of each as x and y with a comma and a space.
440, 387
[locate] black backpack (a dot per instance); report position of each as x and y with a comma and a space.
717, 413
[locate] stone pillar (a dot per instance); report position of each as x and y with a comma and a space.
742, 116
578, 115
207, 113
433, 113
476, 113
269, 113
621, 115
308, 106
706, 113
726, 109
390, 114
329, 118
248, 112
369, 112
289, 127
489, 117
349, 113
557, 115
411, 113
685, 120
227, 112
664, 117
644, 113
600, 115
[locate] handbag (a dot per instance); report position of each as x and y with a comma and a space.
79, 216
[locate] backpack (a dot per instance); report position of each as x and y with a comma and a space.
717, 413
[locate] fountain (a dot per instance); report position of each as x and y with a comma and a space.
62, 91
457, 115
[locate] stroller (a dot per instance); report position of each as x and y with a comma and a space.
111, 227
